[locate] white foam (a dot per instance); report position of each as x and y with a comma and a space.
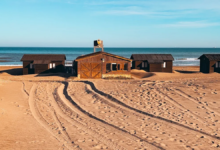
187, 59
185, 65
10, 65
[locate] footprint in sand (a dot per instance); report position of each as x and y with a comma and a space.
81, 140
214, 92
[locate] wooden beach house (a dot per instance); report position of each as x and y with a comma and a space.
153, 62
100, 64
43, 63
210, 63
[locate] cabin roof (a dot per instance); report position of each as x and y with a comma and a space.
214, 57
37, 62
152, 58
98, 53
48, 57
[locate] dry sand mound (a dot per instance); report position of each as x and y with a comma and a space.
4, 74
141, 74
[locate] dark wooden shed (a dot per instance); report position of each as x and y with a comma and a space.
210, 63
102, 65
43, 63
153, 62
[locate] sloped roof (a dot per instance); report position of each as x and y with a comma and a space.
98, 53
152, 58
51, 57
214, 57
37, 62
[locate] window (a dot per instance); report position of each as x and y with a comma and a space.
118, 67
164, 64
142, 64
217, 64
145, 65
114, 66
52, 65
126, 66
31, 66
108, 67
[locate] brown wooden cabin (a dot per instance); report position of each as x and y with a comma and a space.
43, 63
210, 63
100, 64
153, 62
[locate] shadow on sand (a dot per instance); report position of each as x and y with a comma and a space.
63, 75
141, 75
16, 71
187, 72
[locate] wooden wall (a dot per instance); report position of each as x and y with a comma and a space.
217, 69
169, 67
42, 68
204, 65
212, 66
26, 67
136, 65
98, 59
207, 66
157, 67
60, 66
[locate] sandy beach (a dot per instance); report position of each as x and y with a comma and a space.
178, 110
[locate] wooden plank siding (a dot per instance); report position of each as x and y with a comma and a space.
43, 68
204, 65
211, 66
41, 63
208, 63
26, 67
169, 66
154, 67
60, 66
93, 66
136, 64
207, 66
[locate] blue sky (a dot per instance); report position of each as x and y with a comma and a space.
119, 23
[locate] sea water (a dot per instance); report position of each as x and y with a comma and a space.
182, 56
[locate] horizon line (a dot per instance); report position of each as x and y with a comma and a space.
91, 47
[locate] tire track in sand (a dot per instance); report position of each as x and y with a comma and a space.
134, 111
58, 103
36, 114
61, 93
181, 107
183, 94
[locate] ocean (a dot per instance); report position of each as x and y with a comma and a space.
182, 56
